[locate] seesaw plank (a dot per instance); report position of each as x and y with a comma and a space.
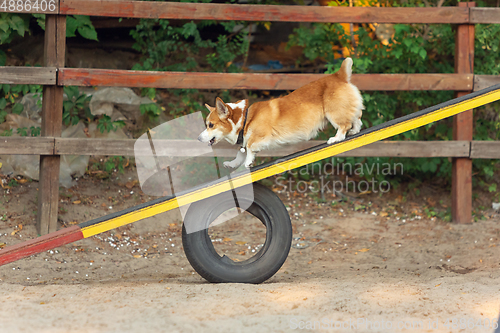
40, 244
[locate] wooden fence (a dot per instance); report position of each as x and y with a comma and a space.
54, 76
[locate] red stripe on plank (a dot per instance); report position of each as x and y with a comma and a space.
40, 244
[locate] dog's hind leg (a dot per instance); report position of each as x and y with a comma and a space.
338, 137
356, 127
342, 129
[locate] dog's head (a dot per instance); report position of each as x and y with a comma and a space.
223, 121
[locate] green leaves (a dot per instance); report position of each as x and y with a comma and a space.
415, 48
18, 24
318, 40
226, 50
75, 106
189, 29
24, 131
487, 49
189, 102
83, 25
4, 25
3, 113
430, 165
12, 24
176, 48
422, 53
106, 124
3, 58
152, 110
40, 19
35, 131
397, 53
17, 108
415, 45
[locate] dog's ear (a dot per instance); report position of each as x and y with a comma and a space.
209, 107
222, 108
242, 104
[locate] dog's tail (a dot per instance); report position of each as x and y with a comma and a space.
345, 70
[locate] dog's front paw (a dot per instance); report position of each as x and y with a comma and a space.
231, 164
333, 140
248, 165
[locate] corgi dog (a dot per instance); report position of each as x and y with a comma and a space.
295, 117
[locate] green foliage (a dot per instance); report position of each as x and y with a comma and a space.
151, 110
103, 168
487, 49
415, 48
158, 41
8, 132
35, 131
10, 96
76, 106
12, 183
83, 25
115, 163
189, 102
17, 25
228, 47
12, 25
318, 40
105, 124
24, 131
174, 47
17, 108
75, 109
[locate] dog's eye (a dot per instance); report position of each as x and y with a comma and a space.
210, 125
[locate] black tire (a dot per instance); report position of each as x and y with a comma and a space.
200, 252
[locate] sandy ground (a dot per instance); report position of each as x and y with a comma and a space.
362, 271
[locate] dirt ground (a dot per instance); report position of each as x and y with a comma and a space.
364, 264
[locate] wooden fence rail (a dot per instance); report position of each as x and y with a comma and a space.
275, 13
28, 75
251, 81
54, 76
228, 12
125, 147
196, 80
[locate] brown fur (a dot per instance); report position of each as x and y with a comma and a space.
294, 117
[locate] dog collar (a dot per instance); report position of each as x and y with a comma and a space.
240, 135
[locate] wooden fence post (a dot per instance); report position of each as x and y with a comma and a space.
463, 125
52, 108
